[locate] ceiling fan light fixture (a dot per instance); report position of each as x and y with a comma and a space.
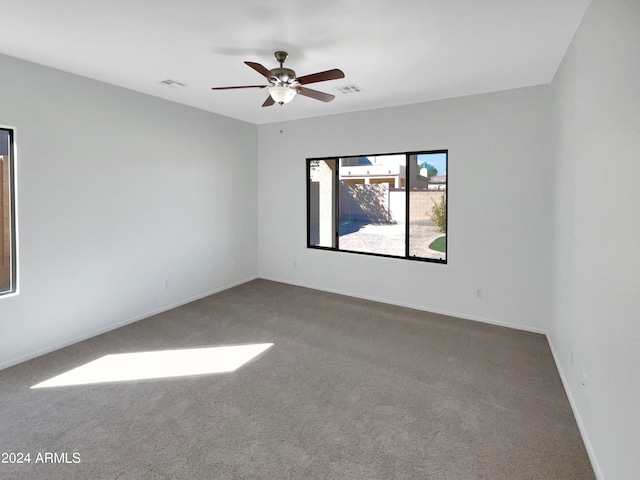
282, 94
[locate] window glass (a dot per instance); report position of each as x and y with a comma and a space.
7, 233
387, 204
428, 205
322, 204
371, 204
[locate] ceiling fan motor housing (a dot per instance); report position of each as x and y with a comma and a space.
282, 76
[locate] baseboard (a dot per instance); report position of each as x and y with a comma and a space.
583, 431
115, 326
408, 305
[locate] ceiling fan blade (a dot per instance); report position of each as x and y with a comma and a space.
260, 69
245, 86
321, 76
323, 97
269, 101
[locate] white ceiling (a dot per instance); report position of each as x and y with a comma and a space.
398, 52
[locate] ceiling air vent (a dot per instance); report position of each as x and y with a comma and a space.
172, 83
353, 88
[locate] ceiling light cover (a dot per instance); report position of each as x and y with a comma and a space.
282, 94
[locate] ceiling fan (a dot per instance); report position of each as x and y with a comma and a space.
284, 85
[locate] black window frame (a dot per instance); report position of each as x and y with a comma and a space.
13, 260
407, 188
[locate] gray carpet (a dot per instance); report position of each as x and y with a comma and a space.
351, 389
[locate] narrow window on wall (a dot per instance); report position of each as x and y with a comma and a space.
7, 223
392, 205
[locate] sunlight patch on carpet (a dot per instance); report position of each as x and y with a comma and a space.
161, 364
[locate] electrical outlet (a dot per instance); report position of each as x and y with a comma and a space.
295, 264
584, 381
479, 293
166, 283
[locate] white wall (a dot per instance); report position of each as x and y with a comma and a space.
118, 192
596, 328
500, 185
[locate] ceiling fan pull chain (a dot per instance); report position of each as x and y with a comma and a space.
281, 105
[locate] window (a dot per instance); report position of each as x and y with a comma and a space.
392, 205
7, 223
